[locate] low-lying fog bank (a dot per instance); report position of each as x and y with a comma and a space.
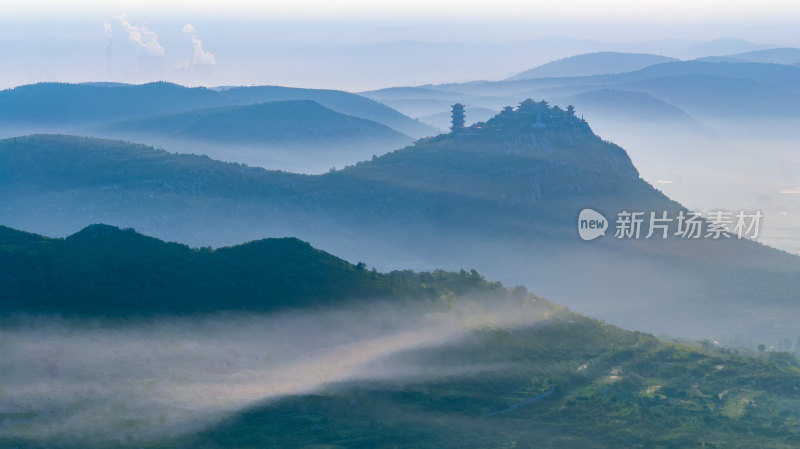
89, 381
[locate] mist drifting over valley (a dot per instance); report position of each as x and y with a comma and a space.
88, 381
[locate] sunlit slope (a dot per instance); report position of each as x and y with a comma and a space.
566, 381
571, 382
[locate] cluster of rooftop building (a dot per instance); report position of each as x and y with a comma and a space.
544, 114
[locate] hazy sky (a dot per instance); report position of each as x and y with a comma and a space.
684, 11
358, 45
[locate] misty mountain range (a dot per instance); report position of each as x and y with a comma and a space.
502, 198
702, 90
698, 128
499, 189
48, 107
758, 85
699, 88
286, 135
593, 64
276, 127
178, 334
784, 55
692, 124
387, 203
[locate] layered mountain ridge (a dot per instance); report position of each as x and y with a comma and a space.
501, 196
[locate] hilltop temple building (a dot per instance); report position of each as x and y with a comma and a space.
536, 114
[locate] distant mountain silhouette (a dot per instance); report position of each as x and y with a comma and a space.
426, 102
723, 46
710, 95
779, 75
634, 109
421, 107
627, 104
593, 64
697, 87
63, 106
730, 59
289, 135
59, 107
339, 101
501, 197
783, 55
483, 96
401, 93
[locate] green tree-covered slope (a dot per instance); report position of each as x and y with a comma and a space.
105, 271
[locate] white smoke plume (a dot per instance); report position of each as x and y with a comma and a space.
146, 40
107, 30
200, 55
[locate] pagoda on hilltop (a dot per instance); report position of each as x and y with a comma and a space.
457, 118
